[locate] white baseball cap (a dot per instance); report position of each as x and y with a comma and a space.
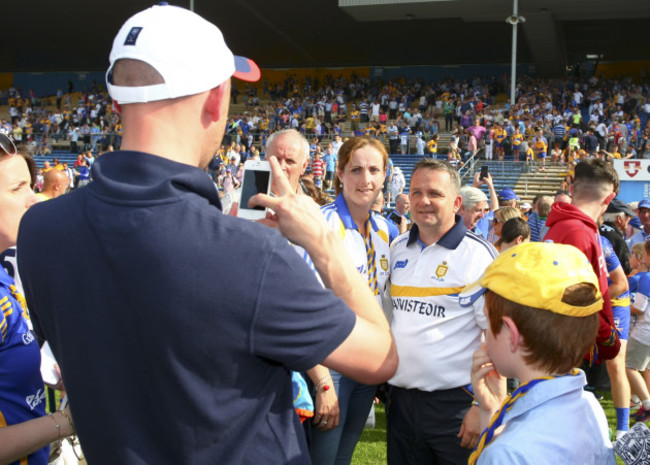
189, 53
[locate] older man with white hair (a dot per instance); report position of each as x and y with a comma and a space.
473, 208
476, 209
292, 151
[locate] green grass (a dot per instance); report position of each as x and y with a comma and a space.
57, 400
371, 449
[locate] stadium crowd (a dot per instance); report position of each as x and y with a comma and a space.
408, 115
89, 123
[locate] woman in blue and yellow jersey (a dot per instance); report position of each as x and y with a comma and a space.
500, 135
540, 145
360, 177
517, 139
25, 432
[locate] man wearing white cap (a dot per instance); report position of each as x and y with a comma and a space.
184, 325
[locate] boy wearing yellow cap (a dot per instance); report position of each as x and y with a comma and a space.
542, 302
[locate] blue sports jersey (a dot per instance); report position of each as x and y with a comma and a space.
633, 282
643, 286
612, 263
22, 394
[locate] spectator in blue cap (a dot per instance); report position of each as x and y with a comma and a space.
508, 198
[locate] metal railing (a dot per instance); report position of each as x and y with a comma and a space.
469, 167
528, 180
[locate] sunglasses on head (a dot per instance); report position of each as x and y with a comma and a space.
7, 145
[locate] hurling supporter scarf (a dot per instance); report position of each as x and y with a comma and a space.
371, 255
497, 418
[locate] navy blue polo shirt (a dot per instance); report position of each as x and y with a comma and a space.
175, 326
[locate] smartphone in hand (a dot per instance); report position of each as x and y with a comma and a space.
256, 180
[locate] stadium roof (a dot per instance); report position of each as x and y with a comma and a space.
76, 35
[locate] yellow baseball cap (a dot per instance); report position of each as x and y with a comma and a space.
536, 274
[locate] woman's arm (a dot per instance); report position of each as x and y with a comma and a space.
17, 441
619, 283
326, 402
